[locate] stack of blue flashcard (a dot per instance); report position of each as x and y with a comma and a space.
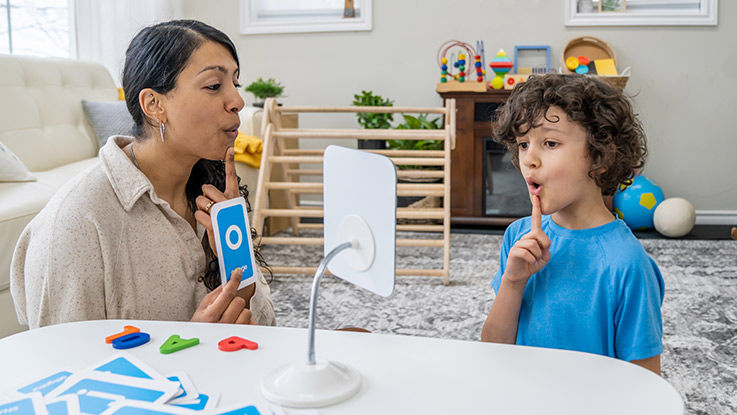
120, 385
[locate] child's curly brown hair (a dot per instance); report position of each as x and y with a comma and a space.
616, 140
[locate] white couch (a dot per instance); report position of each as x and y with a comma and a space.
43, 123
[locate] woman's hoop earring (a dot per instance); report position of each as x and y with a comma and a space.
162, 128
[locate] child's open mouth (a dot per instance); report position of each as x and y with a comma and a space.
535, 187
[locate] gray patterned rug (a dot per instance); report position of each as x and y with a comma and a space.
699, 310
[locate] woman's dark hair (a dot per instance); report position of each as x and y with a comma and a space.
154, 59
616, 140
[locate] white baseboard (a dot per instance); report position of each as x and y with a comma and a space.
703, 217
716, 217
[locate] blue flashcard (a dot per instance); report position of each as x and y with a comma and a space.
65, 405
31, 404
205, 402
187, 392
233, 240
144, 408
240, 410
97, 390
126, 365
47, 384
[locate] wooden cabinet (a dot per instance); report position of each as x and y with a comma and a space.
474, 112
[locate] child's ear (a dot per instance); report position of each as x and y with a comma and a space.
606, 158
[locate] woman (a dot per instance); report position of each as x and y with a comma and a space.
126, 238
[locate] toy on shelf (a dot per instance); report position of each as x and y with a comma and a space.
591, 56
443, 70
460, 64
480, 61
512, 79
535, 65
454, 61
501, 64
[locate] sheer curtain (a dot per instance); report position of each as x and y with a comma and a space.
104, 28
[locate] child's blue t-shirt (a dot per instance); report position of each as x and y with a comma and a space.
599, 293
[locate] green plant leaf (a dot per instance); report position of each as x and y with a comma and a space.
265, 89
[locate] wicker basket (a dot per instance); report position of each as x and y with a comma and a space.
618, 82
593, 48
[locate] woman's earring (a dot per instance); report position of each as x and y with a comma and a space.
162, 128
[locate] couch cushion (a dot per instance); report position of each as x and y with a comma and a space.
55, 178
11, 168
20, 202
21, 199
41, 117
108, 118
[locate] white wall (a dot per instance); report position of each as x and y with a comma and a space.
684, 79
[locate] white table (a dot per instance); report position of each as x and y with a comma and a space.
400, 374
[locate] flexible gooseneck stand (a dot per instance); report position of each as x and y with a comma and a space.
313, 299
360, 248
315, 382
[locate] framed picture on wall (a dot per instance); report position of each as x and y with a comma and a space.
300, 16
641, 12
612, 6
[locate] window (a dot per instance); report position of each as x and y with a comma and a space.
36, 27
290, 16
641, 12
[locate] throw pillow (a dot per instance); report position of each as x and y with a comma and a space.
108, 118
11, 168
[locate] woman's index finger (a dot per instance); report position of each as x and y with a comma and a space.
231, 179
536, 213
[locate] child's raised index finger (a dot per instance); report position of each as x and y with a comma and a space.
231, 179
536, 213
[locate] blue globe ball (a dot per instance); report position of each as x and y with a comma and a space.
636, 203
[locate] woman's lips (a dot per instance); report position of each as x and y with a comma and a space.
232, 133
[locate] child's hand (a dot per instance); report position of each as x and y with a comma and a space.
530, 254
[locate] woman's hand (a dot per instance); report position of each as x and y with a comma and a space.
530, 254
211, 195
223, 305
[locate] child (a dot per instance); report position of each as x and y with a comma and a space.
572, 276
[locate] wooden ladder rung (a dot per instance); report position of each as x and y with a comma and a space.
311, 226
403, 189
417, 161
282, 240
402, 174
304, 172
384, 110
376, 134
309, 212
435, 174
399, 272
395, 153
420, 228
401, 228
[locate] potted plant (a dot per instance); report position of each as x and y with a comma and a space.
371, 120
264, 89
417, 123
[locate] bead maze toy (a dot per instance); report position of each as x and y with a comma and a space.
448, 60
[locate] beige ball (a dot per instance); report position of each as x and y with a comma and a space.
674, 217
